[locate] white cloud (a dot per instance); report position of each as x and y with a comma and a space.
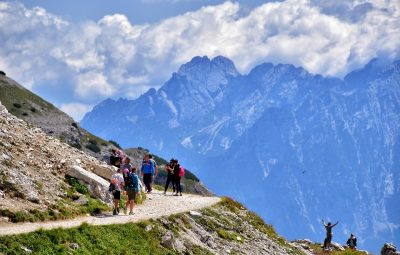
76, 110
113, 57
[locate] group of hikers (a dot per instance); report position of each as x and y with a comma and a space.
351, 242
126, 179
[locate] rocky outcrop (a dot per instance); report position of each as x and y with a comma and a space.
389, 249
102, 170
33, 168
97, 186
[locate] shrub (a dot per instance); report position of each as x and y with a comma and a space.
33, 109
76, 185
17, 105
93, 147
115, 144
76, 145
91, 141
74, 124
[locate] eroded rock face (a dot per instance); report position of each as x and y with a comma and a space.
389, 249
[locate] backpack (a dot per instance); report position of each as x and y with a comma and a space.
111, 188
129, 182
181, 171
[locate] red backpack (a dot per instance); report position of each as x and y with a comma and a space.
181, 171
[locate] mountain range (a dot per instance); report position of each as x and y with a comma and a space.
293, 146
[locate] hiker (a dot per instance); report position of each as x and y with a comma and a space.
169, 168
352, 242
126, 167
147, 172
117, 183
177, 178
114, 157
155, 170
329, 235
132, 188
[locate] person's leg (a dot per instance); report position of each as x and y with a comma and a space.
127, 205
132, 199
174, 183
329, 241
146, 182
151, 182
115, 206
179, 185
167, 183
117, 197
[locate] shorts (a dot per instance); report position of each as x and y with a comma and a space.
131, 194
117, 194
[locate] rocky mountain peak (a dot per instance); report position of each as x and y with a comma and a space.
204, 65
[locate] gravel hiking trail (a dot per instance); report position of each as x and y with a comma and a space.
156, 205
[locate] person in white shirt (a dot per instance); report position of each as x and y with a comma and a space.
117, 185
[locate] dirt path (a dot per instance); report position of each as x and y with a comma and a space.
156, 205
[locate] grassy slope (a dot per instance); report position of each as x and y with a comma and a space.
133, 238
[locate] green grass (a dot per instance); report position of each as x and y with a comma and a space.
111, 239
76, 185
229, 235
317, 249
19, 100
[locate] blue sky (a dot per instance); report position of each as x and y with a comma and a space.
77, 53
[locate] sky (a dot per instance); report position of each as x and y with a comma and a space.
78, 53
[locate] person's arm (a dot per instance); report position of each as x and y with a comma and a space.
323, 222
335, 224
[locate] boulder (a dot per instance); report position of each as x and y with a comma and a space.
73, 246
82, 200
195, 213
104, 171
337, 246
389, 249
168, 240
98, 187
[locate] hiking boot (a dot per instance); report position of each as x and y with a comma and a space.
131, 213
115, 212
180, 194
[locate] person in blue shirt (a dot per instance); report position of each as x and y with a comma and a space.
147, 172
